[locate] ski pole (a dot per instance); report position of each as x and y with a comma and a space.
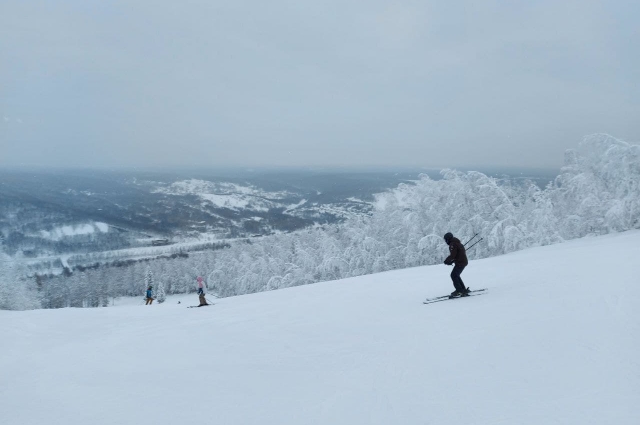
475, 243
472, 238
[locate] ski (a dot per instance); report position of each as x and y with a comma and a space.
448, 297
196, 306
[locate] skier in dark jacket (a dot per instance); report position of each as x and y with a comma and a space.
457, 255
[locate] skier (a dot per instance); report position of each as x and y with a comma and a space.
457, 255
203, 300
200, 285
149, 295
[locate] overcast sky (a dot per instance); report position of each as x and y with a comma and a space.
298, 83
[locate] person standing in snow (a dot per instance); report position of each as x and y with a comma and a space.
149, 298
457, 255
203, 300
200, 285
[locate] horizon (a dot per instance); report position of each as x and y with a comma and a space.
274, 169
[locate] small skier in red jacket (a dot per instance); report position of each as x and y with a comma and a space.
457, 255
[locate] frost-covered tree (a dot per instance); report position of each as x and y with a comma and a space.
148, 278
161, 295
598, 189
17, 289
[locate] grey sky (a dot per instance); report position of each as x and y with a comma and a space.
430, 83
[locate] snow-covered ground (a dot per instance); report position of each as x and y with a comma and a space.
61, 232
226, 195
554, 341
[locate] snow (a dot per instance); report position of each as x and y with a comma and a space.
225, 195
64, 259
226, 201
61, 232
103, 227
554, 341
292, 207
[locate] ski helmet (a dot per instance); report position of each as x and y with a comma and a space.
447, 237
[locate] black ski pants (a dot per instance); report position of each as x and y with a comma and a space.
455, 277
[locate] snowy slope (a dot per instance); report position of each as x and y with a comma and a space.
555, 341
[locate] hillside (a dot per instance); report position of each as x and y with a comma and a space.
51, 212
555, 340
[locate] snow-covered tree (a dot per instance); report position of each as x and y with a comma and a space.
148, 278
161, 295
17, 289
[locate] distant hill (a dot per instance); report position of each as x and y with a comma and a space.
131, 209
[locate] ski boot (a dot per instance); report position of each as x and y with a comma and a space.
455, 294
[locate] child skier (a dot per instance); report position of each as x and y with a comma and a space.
149, 298
203, 300
200, 285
